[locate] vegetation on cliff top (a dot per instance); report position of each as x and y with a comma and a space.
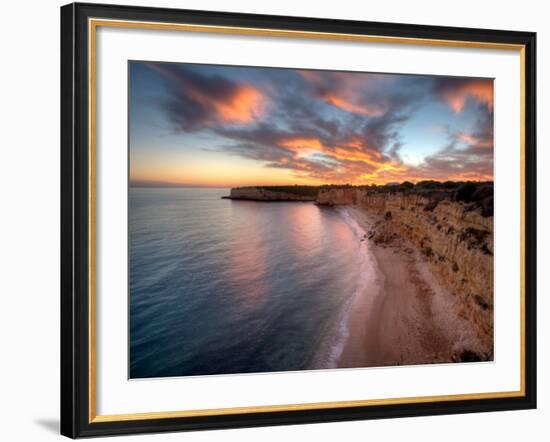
312, 191
475, 195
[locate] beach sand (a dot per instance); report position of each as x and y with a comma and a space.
406, 318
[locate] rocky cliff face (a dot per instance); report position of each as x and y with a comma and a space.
450, 224
288, 193
452, 227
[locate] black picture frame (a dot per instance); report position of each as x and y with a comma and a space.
75, 221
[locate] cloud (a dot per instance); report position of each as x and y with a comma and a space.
322, 154
304, 139
343, 103
333, 127
455, 92
198, 100
467, 156
455, 165
342, 90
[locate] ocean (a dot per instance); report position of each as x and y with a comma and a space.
221, 286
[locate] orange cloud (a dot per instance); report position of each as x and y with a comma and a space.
247, 104
341, 89
302, 146
304, 141
342, 103
244, 105
366, 166
481, 90
351, 151
199, 99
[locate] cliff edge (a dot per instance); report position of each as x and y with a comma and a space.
450, 224
275, 193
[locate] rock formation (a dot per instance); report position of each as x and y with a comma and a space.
453, 228
274, 193
451, 224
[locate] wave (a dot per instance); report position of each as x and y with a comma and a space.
366, 289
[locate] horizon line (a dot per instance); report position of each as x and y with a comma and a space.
168, 185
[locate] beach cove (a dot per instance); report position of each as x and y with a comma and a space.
418, 306
273, 279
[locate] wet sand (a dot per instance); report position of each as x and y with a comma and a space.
398, 322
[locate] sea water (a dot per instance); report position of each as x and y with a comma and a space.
220, 286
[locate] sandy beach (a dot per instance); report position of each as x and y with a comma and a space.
407, 318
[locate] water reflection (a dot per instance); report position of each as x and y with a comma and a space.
220, 286
303, 222
247, 266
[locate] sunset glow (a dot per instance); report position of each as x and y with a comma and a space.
364, 109
243, 107
457, 96
223, 126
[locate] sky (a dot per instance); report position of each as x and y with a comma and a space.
229, 126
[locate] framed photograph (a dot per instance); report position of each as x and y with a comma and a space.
278, 220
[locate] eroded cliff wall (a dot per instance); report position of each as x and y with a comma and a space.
266, 194
454, 236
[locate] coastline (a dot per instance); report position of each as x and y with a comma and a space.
406, 318
427, 295
361, 347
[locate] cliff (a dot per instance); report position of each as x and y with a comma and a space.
275, 193
451, 225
